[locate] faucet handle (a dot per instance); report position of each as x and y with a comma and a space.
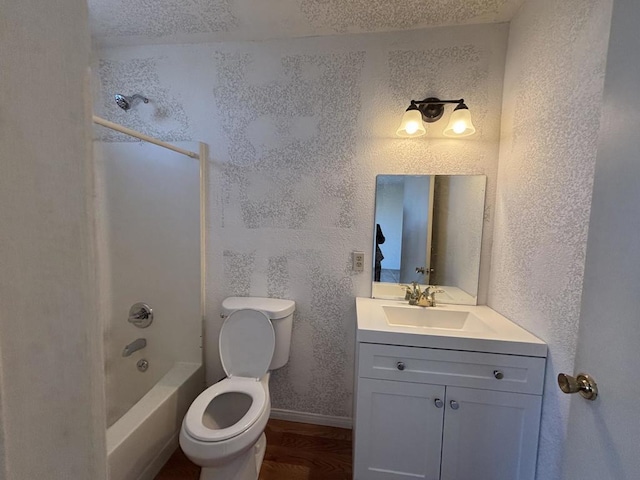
432, 295
407, 291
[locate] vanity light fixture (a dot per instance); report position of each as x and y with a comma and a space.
431, 110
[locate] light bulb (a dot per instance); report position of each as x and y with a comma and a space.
459, 127
411, 124
411, 127
460, 124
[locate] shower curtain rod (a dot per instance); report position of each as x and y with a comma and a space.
142, 136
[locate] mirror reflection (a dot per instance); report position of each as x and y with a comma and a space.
428, 229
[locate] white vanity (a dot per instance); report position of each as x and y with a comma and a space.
452, 392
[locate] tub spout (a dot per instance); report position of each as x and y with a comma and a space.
137, 344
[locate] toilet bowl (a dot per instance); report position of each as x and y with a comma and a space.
223, 430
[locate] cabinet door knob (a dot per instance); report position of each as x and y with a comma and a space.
438, 403
498, 374
400, 365
454, 405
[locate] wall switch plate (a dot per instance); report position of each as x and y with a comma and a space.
358, 261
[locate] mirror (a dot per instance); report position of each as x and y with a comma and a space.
428, 229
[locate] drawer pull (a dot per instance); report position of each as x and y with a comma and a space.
454, 405
400, 366
438, 403
498, 374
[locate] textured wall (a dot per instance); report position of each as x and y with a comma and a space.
556, 59
298, 131
51, 354
122, 22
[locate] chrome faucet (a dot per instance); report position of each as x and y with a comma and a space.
426, 298
413, 293
137, 344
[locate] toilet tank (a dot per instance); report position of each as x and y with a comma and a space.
279, 311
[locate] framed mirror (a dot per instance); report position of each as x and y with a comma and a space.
428, 229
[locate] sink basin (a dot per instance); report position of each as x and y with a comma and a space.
433, 318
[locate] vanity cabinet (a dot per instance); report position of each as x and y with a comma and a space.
446, 415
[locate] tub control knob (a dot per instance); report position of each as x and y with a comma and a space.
400, 366
498, 374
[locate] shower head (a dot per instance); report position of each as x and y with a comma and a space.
126, 103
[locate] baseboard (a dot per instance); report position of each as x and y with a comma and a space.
313, 418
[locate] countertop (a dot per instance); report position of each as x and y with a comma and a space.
502, 336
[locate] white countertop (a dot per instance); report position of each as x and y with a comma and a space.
501, 336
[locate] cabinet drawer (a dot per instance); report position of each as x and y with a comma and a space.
449, 367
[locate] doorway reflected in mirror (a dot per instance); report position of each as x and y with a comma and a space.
428, 229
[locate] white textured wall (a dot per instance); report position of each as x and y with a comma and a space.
122, 22
51, 356
552, 95
298, 131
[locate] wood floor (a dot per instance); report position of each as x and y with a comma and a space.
295, 451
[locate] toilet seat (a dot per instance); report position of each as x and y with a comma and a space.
193, 420
247, 342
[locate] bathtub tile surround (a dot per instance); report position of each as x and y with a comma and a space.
557, 50
298, 131
148, 251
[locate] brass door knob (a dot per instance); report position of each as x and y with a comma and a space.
582, 384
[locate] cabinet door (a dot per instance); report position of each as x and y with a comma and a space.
398, 430
490, 435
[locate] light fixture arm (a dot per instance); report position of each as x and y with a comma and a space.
432, 108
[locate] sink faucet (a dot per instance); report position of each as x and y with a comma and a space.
426, 298
137, 344
413, 293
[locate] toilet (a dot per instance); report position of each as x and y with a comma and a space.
223, 430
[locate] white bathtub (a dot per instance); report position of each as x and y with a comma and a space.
140, 442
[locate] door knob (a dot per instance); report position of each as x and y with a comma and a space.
582, 384
454, 405
400, 366
438, 403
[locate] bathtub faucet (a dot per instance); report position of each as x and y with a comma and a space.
137, 344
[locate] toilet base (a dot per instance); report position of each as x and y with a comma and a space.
245, 467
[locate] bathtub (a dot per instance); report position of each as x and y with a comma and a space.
143, 439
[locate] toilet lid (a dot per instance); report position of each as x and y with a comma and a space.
247, 342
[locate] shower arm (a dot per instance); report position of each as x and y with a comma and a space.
137, 96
